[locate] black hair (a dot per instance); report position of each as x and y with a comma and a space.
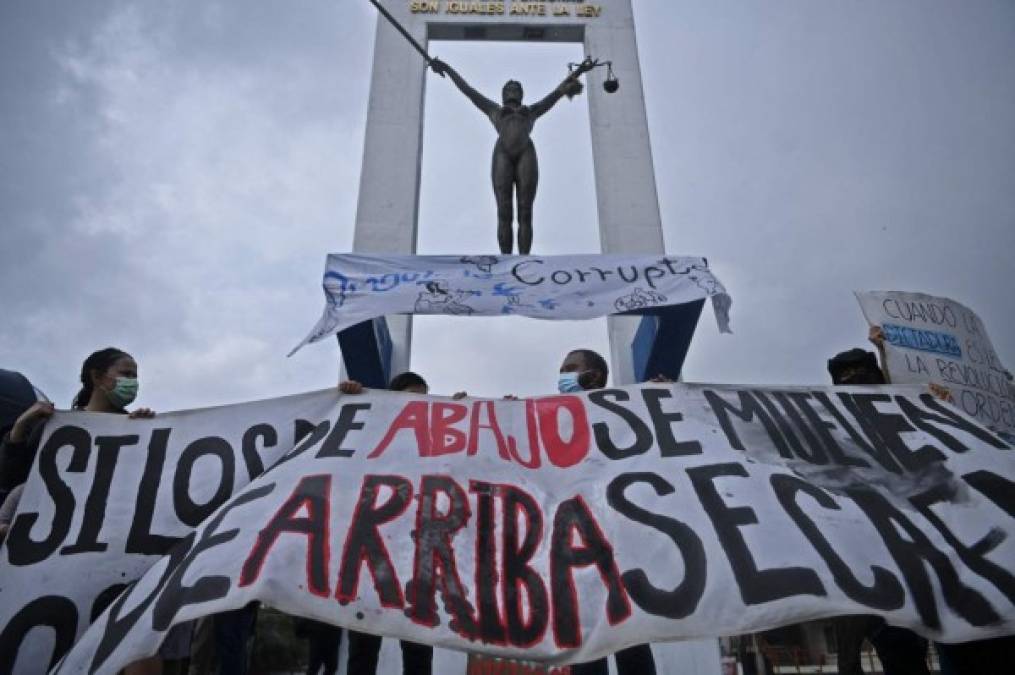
593, 361
853, 359
403, 381
101, 361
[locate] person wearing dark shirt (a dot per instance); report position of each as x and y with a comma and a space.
900, 650
585, 370
323, 641
364, 648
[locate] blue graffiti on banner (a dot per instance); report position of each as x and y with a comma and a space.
336, 297
924, 340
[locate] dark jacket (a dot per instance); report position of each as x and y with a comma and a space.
16, 458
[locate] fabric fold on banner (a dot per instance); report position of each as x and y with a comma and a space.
552, 529
362, 287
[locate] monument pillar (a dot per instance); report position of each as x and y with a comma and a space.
626, 197
388, 207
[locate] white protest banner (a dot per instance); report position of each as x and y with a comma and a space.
362, 287
109, 496
932, 340
552, 529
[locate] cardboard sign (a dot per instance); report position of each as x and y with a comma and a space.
551, 530
930, 340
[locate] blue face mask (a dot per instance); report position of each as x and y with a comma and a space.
567, 383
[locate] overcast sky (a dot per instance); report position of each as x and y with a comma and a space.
172, 175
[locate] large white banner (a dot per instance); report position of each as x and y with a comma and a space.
362, 287
553, 529
931, 340
108, 497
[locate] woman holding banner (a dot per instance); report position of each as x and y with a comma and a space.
108, 385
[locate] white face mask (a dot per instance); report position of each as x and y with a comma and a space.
567, 383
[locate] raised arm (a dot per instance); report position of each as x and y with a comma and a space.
877, 338
571, 86
483, 103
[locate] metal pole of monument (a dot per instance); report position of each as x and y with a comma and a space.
401, 29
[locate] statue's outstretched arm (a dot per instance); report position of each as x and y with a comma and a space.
571, 86
483, 103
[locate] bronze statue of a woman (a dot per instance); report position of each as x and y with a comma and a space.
515, 170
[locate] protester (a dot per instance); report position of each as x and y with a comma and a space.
583, 370
233, 630
901, 651
17, 395
407, 382
979, 657
108, 385
323, 641
855, 367
8, 509
365, 649
19, 445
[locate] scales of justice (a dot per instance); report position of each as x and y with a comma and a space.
626, 197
